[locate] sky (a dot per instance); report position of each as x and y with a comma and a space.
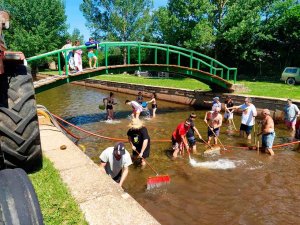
75, 18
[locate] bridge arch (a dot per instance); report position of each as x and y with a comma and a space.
201, 67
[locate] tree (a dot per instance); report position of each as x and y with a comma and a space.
37, 26
76, 36
118, 20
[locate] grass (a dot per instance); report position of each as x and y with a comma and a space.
269, 89
181, 82
258, 88
57, 204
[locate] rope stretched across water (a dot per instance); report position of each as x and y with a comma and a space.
157, 140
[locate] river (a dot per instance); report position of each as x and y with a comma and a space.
237, 187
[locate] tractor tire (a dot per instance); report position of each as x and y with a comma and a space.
19, 130
18, 200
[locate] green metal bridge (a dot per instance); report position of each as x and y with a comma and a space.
164, 58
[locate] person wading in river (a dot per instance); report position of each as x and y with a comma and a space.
139, 140
179, 138
267, 132
214, 121
116, 160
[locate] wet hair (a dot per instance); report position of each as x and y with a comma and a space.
154, 95
139, 93
127, 101
193, 115
289, 100
111, 94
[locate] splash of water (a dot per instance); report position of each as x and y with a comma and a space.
222, 164
112, 121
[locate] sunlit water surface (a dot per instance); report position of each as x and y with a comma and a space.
237, 187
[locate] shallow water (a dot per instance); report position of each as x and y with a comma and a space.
237, 187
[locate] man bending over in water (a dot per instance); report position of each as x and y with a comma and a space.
267, 131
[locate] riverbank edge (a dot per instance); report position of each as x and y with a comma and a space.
195, 98
100, 199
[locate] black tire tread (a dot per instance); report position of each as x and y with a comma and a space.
19, 132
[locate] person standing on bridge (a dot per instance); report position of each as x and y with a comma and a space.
116, 160
91, 55
137, 108
77, 57
67, 54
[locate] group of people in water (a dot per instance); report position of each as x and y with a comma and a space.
183, 137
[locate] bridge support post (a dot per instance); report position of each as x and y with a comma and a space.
155, 56
59, 65
178, 60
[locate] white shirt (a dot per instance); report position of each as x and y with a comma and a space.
113, 166
137, 106
248, 114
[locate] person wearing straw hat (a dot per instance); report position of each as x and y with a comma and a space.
116, 160
213, 119
139, 140
267, 132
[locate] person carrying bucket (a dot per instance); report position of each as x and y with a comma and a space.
137, 108
179, 140
139, 140
109, 102
213, 119
116, 160
267, 132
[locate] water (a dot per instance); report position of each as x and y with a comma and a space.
236, 187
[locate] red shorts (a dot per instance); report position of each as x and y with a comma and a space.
289, 123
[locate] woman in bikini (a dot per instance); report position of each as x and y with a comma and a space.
154, 104
110, 101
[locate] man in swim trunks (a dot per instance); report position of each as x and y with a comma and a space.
179, 138
91, 54
248, 117
214, 121
137, 108
267, 132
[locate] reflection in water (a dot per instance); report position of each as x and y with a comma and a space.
238, 187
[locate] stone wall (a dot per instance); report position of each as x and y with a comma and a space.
195, 98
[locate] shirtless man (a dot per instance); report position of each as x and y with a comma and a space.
267, 131
214, 121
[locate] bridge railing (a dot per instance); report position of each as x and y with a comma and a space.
214, 66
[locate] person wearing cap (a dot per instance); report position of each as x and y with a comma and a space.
137, 108
191, 134
139, 140
91, 55
216, 103
267, 132
116, 160
179, 139
291, 112
248, 117
213, 119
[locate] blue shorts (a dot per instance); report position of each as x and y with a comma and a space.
246, 128
215, 133
267, 140
192, 141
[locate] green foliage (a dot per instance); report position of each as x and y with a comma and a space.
118, 20
57, 205
37, 26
